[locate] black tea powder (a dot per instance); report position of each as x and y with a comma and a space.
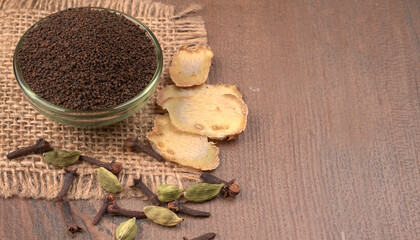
87, 59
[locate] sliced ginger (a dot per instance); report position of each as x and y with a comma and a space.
204, 89
184, 148
190, 67
216, 116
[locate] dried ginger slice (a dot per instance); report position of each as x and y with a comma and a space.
203, 89
184, 148
190, 67
215, 116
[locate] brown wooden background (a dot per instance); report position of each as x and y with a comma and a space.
332, 146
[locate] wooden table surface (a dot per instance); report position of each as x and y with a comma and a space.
332, 146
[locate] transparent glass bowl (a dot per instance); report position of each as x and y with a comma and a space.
93, 118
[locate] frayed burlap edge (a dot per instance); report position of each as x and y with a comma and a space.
22, 125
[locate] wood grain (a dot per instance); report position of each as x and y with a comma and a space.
332, 147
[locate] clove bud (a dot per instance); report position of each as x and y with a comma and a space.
134, 145
207, 236
72, 227
68, 179
138, 183
113, 166
40, 146
114, 209
176, 206
107, 201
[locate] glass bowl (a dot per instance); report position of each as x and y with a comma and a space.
92, 118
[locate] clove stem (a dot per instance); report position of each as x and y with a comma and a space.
209, 178
114, 209
176, 206
107, 201
72, 227
134, 145
207, 236
146, 191
40, 146
113, 166
68, 179
230, 189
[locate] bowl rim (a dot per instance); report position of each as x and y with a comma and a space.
150, 86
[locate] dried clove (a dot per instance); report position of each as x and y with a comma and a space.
207, 236
134, 145
230, 189
68, 179
114, 209
72, 227
149, 194
113, 166
176, 206
107, 201
40, 146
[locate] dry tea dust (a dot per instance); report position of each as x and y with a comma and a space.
87, 59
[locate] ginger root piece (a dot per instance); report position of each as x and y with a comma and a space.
184, 148
215, 116
190, 67
204, 89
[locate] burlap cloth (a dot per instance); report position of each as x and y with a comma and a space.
22, 125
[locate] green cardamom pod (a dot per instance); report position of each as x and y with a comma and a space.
168, 193
162, 216
61, 158
108, 180
201, 192
126, 230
